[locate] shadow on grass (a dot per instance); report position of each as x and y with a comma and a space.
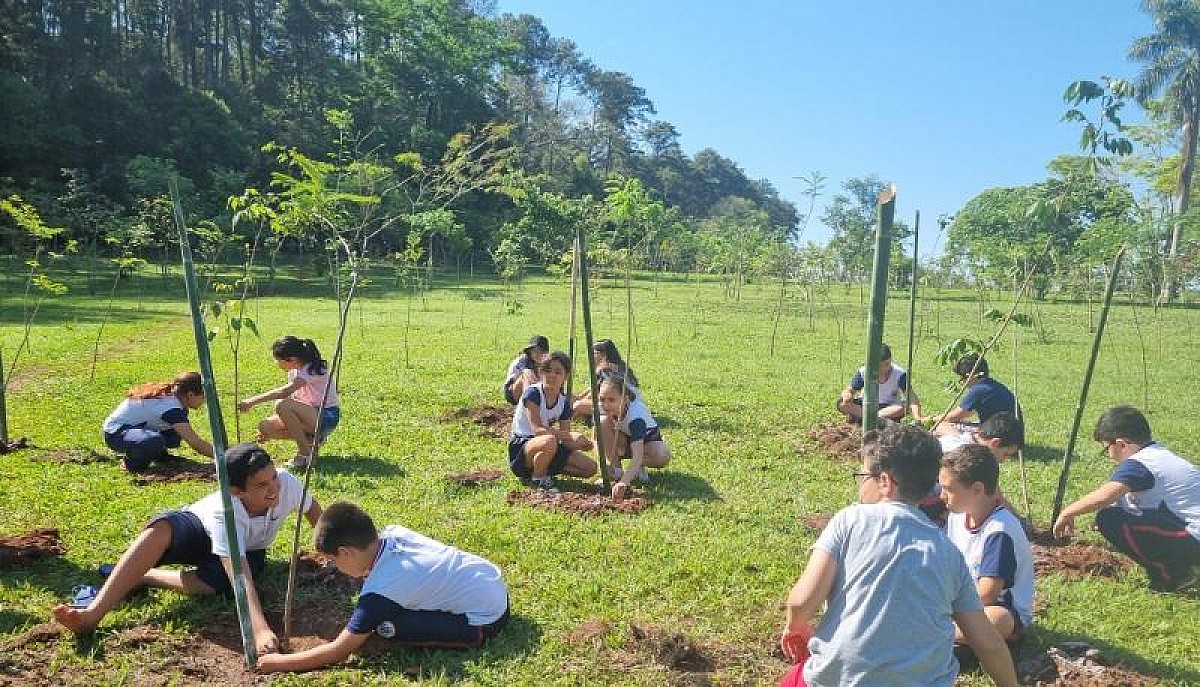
356, 465
1048, 454
11, 621
668, 485
665, 421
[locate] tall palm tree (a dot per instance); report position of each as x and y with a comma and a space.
1172, 66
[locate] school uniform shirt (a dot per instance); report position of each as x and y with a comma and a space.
422, 574
637, 421
517, 366
254, 532
888, 617
891, 390
998, 548
314, 388
1160, 480
158, 414
988, 397
950, 442
560, 410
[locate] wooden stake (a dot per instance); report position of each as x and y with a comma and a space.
581, 253
912, 314
885, 209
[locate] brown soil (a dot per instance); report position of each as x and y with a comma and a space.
840, 439
175, 470
495, 421
575, 502
13, 445
21, 549
592, 631
20, 379
1075, 664
817, 522
81, 455
476, 477
1074, 560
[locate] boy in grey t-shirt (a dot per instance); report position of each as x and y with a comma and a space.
894, 583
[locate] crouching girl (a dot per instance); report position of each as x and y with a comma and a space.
634, 435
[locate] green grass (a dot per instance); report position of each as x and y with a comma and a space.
712, 558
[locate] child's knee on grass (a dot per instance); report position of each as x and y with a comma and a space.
580, 465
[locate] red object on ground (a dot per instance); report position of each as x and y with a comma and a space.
794, 677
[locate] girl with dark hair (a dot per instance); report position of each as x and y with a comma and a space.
634, 435
523, 370
609, 365
298, 404
153, 418
541, 443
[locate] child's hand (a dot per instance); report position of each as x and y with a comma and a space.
243, 406
619, 491
1064, 527
269, 663
794, 642
266, 641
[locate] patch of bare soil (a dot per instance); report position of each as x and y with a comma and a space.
1077, 664
476, 477
575, 502
495, 421
80, 455
13, 445
839, 439
1074, 560
20, 379
817, 522
22, 549
589, 632
175, 469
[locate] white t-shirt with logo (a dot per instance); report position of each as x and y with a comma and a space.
254, 532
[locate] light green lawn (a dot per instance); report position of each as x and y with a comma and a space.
717, 551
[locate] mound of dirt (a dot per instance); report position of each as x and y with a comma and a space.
839, 439
21, 549
476, 477
495, 421
1077, 664
575, 502
1074, 560
175, 469
591, 631
318, 570
13, 445
80, 455
817, 522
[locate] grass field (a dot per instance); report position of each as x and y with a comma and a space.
712, 558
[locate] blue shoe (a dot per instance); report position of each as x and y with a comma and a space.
82, 596
105, 569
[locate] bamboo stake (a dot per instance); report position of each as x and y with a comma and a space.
217, 425
912, 315
571, 332
581, 253
3, 403
885, 208
1087, 380
1020, 450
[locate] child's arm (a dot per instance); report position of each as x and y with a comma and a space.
806, 597
336, 651
273, 395
185, 432
313, 514
264, 637
1106, 495
914, 403
989, 589
540, 428
988, 646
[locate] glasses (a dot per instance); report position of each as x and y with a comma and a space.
860, 477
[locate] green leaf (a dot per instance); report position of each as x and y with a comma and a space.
235, 323
251, 326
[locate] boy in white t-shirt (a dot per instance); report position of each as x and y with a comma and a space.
195, 535
990, 538
417, 592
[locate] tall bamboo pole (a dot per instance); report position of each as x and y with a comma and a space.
217, 425
1087, 380
1020, 419
912, 314
3, 404
581, 256
885, 211
571, 332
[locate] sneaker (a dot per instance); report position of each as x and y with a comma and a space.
82, 596
545, 484
644, 475
1187, 578
105, 569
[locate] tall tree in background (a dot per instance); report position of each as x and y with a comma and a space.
1172, 57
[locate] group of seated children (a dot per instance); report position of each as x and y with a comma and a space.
153, 417
542, 444
416, 591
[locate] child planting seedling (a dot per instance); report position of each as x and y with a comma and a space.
298, 404
417, 592
195, 536
536, 449
153, 418
609, 365
895, 394
636, 436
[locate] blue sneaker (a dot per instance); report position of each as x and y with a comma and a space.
82, 596
105, 569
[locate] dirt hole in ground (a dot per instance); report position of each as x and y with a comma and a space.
839, 439
10, 445
476, 477
80, 455
22, 549
175, 469
494, 421
1074, 560
817, 522
1077, 664
576, 503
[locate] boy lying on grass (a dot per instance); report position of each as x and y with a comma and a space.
990, 538
417, 592
894, 585
195, 535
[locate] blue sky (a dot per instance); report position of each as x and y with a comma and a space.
945, 99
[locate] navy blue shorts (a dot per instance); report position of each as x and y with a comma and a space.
516, 458
329, 421
191, 545
436, 629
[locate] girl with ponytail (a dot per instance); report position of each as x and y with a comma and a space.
153, 418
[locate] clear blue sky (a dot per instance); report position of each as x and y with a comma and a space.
945, 99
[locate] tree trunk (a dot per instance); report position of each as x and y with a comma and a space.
1183, 189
